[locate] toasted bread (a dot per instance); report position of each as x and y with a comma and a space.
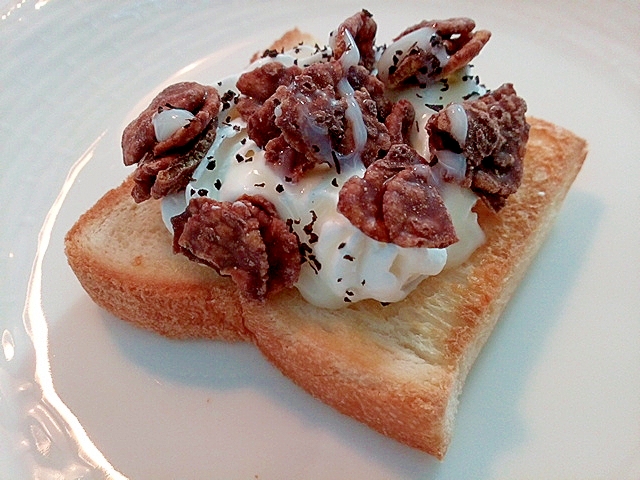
398, 368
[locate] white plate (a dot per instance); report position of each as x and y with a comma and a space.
554, 394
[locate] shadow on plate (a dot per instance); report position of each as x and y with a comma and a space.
489, 422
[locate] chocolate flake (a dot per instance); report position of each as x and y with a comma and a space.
270, 52
228, 96
308, 228
315, 264
305, 249
289, 224
434, 107
336, 161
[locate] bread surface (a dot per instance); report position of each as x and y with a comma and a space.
398, 368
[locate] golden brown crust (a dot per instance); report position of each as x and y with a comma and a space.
121, 253
373, 363
398, 368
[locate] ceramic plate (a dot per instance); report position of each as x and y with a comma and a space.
554, 394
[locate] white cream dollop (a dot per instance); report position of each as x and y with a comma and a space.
341, 264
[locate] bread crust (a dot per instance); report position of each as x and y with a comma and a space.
400, 368
397, 368
122, 254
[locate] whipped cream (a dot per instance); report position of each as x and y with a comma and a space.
342, 265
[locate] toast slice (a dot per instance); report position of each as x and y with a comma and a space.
122, 254
398, 368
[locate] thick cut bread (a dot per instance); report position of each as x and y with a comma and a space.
122, 254
398, 368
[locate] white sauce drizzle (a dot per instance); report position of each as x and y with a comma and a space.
351, 58
458, 118
354, 116
167, 122
318, 135
453, 164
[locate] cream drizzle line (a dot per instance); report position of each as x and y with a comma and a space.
351, 58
